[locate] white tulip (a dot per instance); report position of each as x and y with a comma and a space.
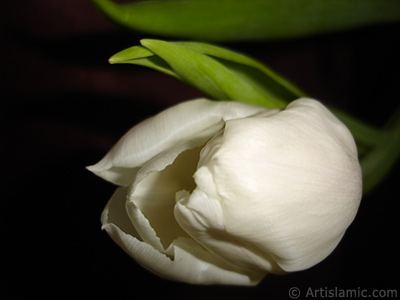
225, 192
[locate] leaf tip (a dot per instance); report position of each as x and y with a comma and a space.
113, 60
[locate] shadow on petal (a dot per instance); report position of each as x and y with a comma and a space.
115, 213
155, 195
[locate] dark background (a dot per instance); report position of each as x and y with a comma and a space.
63, 106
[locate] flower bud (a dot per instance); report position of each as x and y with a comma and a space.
225, 192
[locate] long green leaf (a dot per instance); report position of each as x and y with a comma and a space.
233, 56
254, 82
233, 20
213, 77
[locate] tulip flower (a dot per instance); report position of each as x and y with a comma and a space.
221, 73
227, 192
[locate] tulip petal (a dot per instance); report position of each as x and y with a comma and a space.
141, 223
185, 260
287, 193
203, 219
115, 212
312, 157
157, 141
154, 198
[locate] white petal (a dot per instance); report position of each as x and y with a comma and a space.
160, 139
115, 212
187, 261
154, 196
202, 217
313, 114
289, 184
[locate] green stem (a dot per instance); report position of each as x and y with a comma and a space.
378, 162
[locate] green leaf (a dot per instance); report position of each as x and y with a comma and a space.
264, 83
234, 20
218, 79
244, 60
135, 52
139, 55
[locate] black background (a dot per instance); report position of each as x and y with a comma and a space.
63, 106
